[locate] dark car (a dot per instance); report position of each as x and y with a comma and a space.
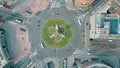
50, 65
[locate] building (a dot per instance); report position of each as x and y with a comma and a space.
83, 3
50, 65
105, 25
114, 8
110, 22
93, 64
6, 6
4, 56
102, 59
2, 20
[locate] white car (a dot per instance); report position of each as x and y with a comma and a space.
79, 21
110, 40
89, 51
1, 6
19, 21
42, 45
93, 12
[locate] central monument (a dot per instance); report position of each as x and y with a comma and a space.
57, 33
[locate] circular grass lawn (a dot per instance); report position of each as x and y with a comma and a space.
57, 33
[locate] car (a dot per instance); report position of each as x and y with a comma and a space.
1, 16
28, 12
42, 45
83, 36
38, 28
110, 40
56, 13
19, 21
38, 25
1, 6
84, 61
38, 13
75, 65
65, 63
95, 59
89, 51
50, 65
92, 12
76, 60
6, 53
22, 29
87, 24
31, 62
79, 21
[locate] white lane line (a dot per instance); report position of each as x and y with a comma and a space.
72, 46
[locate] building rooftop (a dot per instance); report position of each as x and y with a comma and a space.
83, 2
111, 22
115, 8
50, 65
92, 64
3, 53
98, 65
105, 26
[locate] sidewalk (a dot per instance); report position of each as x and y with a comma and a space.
34, 6
70, 61
22, 40
69, 5
19, 5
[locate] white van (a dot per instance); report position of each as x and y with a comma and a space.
29, 64
19, 21
110, 40
79, 21
93, 12
42, 45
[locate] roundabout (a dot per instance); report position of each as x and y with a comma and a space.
57, 32
46, 24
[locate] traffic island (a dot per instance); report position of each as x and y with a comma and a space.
57, 33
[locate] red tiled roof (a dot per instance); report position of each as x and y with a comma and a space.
6, 6
83, 2
2, 20
116, 9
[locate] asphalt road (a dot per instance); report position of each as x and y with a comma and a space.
10, 31
36, 37
9, 15
77, 42
97, 5
35, 33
